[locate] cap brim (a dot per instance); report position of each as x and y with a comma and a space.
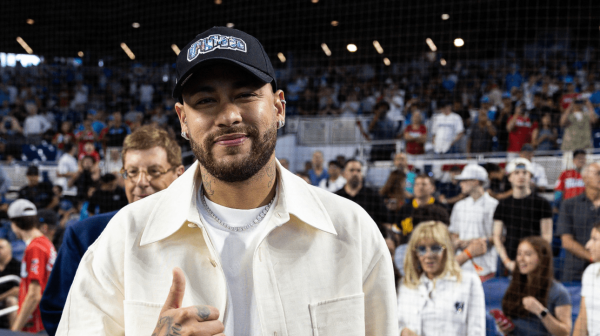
178, 90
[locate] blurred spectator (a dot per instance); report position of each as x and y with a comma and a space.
351, 106
5, 183
499, 185
64, 136
88, 173
539, 179
501, 122
538, 109
401, 164
394, 191
317, 172
473, 219
335, 181
330, 108
37, 264
449, 190
435, 297
86, 135
415, 135
35, 125
381, 128
366, 197
304, 176
576, 219
570, 183
519, 129
116, 131
577, 123
67, 168
40, 193
9, 289
447, 130
307, 105
523, 214
545, 135
285, 163
48, 224
588, 322
481, 134
89, 150
569, 96
108, 197
535, 302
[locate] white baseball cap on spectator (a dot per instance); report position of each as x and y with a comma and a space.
21, 208
519, 164
473, 171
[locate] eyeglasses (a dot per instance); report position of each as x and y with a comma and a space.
152, 172
436, 249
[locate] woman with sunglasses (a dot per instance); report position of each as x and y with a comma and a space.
435, 297
535, 302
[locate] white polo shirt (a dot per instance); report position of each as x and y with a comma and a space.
590, 290
475, 219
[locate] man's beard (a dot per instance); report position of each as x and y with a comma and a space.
354, 182
260, 153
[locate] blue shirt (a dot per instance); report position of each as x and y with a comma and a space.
315, 179
78, 237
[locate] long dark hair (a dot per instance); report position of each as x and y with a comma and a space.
394, 186
536, 284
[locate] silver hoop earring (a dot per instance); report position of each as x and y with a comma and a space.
280, 123
185, 136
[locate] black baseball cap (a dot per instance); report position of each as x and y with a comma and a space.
223, 44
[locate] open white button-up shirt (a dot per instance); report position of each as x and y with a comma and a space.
323, 269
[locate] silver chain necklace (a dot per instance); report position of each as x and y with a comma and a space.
257, 220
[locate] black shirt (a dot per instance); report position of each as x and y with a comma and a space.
12, 268
369, 200
521, 218
403, 218
41, 194
106, 201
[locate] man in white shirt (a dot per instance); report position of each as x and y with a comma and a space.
447, 129
335, 181
473, 219
67, 168
265, 253
34, 125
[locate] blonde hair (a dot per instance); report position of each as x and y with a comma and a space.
439, 233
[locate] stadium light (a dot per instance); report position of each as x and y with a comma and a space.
351, 47
24, 45
230, 25
335, 23
459, 42
218, 2
127, 50
314, 1
135, 25
386, 61
443, 62
378, 47
326, 49
445, 17
175, 49
281, 57
80, 53
431, 44
30, 21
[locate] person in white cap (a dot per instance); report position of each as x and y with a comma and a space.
524, 213
472, 219
38, 260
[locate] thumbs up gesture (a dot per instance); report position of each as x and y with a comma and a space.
194, 320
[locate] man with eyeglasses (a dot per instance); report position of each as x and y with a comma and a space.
151, 162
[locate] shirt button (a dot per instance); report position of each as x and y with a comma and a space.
213, 262
278, 215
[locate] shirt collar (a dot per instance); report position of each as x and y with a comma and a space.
178, 205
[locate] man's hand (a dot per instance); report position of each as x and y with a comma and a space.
194, 320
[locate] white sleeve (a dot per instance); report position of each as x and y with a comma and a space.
459, 124
587, 280
454, 225
476, 314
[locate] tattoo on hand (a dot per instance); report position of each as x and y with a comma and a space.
165, 324
203, 312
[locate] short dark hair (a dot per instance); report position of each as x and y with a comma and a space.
352, 160
335, 163
380, 104
492, 167
26, 223
67, 147
425, 176
578, 152
430, 212
32, 171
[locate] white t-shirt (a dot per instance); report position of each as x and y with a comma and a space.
35, 124
66, 164
539, 175
236, 250
475, 219
146, 92
446, 128
332, 186
590, 290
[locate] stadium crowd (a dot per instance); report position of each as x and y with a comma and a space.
448, 238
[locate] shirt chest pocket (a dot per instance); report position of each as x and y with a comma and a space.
341, 316
458, 313
140, 317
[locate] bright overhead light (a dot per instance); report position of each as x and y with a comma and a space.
314, 1
175, 49
230, 25
30, 21
378, 47
431, 44
101, 63
459, 42
325, 49
443, 62
218, 2
135, 25
386, 61
351, 47
335, 23
80, 53
445, 17
24, 45
281, 57
127, 51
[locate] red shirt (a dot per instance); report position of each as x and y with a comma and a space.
84, 137
414, 147
37, 263
567, 99
521, 133
570, 183
60, 139
93, 154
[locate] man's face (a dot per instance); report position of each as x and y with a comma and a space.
5, 250
592, 177
334, 171
519, 178
87, 163
482, 117
317, 159
33, 180
467, 186
231, 118
145, 163
423, 188
117, 118
353, 174
593, 245
400, 161
579, 161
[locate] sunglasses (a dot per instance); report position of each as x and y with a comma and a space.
436, 249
